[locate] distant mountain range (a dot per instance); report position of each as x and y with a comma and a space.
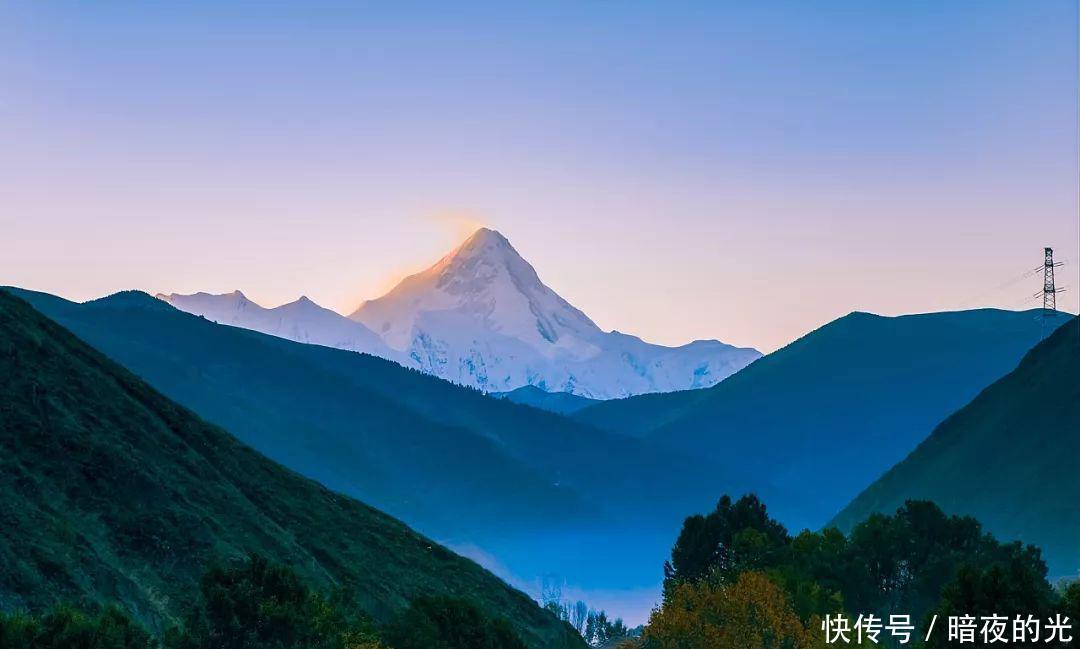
109, 492
563, 403
1008, 458
822, 418
302, 321
534, 492
481, 317
326, 413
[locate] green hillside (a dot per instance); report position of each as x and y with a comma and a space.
529, 493
825, 416
1008, 458
111, 492
288, 404
444, 458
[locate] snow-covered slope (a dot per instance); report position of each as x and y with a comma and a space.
482, 317
302, 321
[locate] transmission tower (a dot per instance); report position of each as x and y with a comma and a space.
1050, 291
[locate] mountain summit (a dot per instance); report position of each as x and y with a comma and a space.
481, 316
484, 281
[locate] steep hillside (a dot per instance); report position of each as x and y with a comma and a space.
827, 415
370, 425
528, 493
284, 400
109, 491
1008, 457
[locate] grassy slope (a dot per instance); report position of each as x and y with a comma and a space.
829, 413
1008, 458
109, 491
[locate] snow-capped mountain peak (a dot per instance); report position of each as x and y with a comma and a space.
481, 316
483, 282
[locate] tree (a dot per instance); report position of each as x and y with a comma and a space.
1010, 585
751, 613
448, 623
901, 563
1069, 602
732, 538
66, 628
256, 604
579, 614
551, 598
616, 630
593, 626
916, 561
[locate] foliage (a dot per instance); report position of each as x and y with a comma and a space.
67, 628
600, 631
593, 626
1006, 587
256, 604
917, 561
448, 623
259, 604
751, 612
732, 538
888, 564
109, 492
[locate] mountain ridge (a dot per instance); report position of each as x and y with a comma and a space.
1006, 457
262, 388
301, 320
113, 493
828, 413
480, 316
461, 466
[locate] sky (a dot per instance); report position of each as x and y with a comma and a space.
677, 170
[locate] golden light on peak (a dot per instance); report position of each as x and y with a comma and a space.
460, 223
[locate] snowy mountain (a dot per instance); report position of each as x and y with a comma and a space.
301, 321
481, 317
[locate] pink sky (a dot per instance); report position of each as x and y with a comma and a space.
738, 174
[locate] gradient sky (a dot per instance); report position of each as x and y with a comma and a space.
733, 170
